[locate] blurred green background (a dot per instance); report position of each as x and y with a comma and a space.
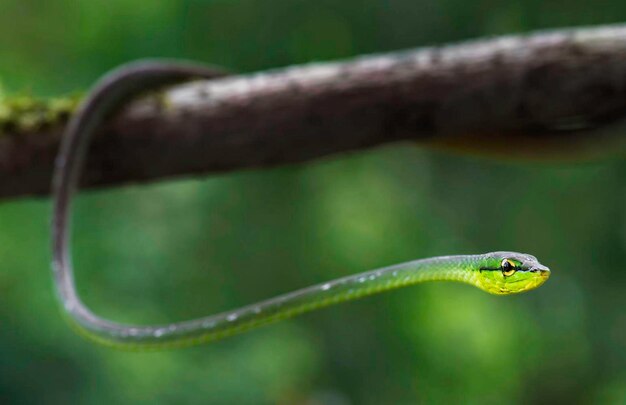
187, 248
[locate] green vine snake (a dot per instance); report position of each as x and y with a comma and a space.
496, 273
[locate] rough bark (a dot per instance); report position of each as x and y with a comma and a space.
569, 82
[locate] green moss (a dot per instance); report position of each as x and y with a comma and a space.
25, 113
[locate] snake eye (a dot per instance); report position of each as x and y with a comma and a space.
508, 268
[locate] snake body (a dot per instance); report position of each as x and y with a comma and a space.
496, 272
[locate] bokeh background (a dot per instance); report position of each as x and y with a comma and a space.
186, 248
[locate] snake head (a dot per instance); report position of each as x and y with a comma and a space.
510, 272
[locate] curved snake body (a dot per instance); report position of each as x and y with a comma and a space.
496, 273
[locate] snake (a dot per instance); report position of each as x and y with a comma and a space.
500, 273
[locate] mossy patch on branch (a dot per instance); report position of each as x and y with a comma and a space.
25, 113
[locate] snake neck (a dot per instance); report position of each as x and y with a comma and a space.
445, 268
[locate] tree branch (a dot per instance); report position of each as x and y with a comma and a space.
560, 85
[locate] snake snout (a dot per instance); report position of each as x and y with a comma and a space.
541, 269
